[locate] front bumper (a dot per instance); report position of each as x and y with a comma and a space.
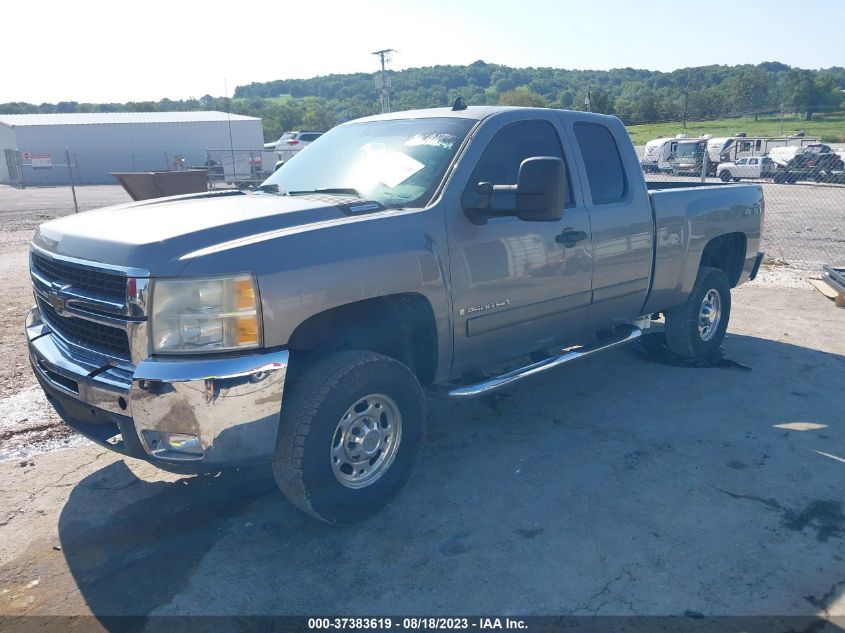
230, 405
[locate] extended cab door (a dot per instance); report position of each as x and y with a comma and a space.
517, 286
620, 217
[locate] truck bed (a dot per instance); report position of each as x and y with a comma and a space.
686, 216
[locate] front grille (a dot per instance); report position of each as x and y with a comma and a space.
87, 334
100, 283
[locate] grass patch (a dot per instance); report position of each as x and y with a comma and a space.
280, 100
830, 127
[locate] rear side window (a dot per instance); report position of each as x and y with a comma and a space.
501, 159
604, 165
309, 137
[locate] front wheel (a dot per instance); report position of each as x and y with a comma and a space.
351, 428
696, 328
725, 176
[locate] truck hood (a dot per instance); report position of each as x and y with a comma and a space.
159, 235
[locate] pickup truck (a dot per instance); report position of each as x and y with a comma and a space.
749, 167
461, 249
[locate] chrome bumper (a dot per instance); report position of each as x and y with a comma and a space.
229, 405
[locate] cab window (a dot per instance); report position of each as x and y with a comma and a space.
499, 164
603, 163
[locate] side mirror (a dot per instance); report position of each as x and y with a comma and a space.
538, 195
541, 189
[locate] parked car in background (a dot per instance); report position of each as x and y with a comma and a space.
292, 142
752, 167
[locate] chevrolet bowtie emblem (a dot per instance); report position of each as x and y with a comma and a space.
59, 304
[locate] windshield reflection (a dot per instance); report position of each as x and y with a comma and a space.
397, 163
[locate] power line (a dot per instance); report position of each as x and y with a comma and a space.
384, 84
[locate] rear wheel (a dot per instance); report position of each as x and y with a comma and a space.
697, 327
351, 427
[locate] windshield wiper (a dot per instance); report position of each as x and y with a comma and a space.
348, 191
271, 188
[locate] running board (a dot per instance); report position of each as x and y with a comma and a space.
625, 334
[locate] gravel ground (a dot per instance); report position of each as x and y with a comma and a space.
28, 425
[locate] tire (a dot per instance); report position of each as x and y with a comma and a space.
725, 176
312, 463
684, 336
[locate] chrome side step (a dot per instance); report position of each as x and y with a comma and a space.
626, 334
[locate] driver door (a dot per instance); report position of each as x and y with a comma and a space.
517, 286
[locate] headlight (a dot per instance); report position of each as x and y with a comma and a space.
205, 315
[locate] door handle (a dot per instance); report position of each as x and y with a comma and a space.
570, 238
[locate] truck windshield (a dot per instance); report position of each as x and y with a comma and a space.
397, 163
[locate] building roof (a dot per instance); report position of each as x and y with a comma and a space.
99, 118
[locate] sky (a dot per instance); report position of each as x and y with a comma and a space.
95, 51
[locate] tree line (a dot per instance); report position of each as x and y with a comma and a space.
636, 96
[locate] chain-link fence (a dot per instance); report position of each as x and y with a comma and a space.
804, 222
239, 167
24, 169
36, 186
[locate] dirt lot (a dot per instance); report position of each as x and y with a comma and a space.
26, 420
617, 486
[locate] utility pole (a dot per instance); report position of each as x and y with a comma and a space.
781, 118
384, 82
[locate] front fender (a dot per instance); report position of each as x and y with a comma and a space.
302, 273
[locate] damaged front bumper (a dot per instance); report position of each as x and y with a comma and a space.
188, 413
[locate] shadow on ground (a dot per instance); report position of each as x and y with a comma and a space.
620, 487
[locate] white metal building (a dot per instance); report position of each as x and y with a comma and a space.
34, 148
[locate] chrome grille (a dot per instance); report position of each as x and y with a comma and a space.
90, 335
99, 283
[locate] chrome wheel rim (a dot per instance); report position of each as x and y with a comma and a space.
366, 440
709, 315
